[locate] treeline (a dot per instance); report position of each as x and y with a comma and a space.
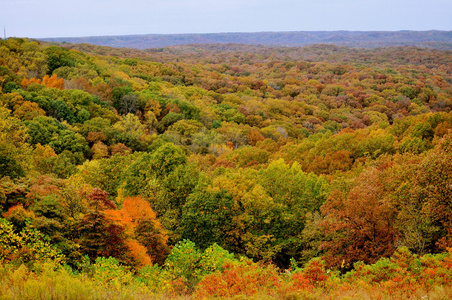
363, 39
177, 172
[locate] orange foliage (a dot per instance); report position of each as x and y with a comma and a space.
315, 273
119, 217
442, 129
25, 83
133, 210
402, 275
43, 152
99, 150
138, 253
142, 226
177, 287
82, 84
95, 136
28, 110
44, 186
137, 208
360, 224
12, 209
53, 82
300, 282
102, 90
339, 160
18, 215
99, 200
254, 136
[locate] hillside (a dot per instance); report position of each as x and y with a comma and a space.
363, 39
225, 170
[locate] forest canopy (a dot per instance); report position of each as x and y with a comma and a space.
186, 167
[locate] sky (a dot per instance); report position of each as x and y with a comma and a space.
69, 18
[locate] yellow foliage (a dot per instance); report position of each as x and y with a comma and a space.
100, 150
120, 75
40, 156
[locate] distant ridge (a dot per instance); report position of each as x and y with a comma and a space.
365, 39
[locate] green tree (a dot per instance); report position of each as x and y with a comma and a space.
131, 125
58, 57
166, 158
207, 218
43, 129
297, 194
129, 104
73, 142
61, 111
15, 153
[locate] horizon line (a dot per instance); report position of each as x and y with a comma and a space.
237, 32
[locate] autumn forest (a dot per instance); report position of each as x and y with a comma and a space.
222, 171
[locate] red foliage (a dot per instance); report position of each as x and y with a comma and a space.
99, 236
99, 200
361, 224
300, 282
315, 272
240, 279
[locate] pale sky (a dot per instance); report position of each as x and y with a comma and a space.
70, 18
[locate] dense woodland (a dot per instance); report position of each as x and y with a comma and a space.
225, 170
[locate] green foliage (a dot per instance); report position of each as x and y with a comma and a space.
15, 153
118, 93
190, 265
297, 194
207, 218
43, 129
214, 259
165, 159
169, 120
82, 116
10, 87
179, 185
216, 124
70, 141
107, 174
182, 262
58, 57
138, 174
108, 271
130, 125
60, 111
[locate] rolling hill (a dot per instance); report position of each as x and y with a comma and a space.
363, 39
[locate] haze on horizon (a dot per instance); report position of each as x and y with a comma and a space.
50, 18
